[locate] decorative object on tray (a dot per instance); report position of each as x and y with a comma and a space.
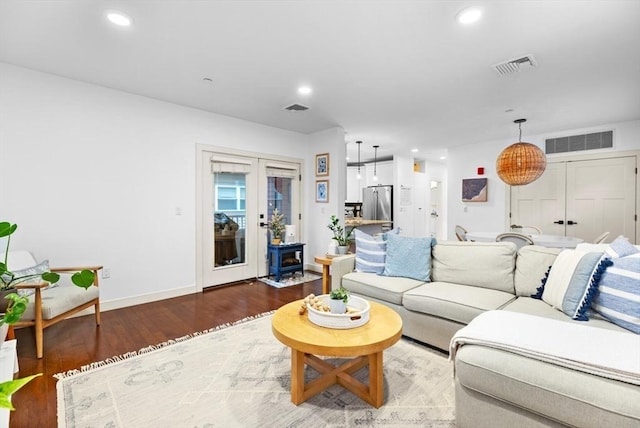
338, 300
276, 226
342, 235
356, 315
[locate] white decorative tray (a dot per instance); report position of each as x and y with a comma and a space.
341, 321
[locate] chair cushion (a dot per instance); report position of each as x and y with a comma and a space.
58, 300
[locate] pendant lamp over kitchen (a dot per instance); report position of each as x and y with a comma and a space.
521, 163
375, 163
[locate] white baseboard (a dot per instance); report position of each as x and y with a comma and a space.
108, 305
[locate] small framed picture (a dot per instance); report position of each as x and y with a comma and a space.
474, 190
322, 164
322, 191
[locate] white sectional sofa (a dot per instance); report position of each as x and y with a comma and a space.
496, 387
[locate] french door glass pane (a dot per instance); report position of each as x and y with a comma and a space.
229, 216
279, 196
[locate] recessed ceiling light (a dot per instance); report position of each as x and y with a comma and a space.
118, 18
304, 90
443, 157
414, 150
469, 15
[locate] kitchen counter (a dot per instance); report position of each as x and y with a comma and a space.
354, 222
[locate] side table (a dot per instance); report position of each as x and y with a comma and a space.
326, 277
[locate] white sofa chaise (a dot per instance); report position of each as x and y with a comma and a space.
495, 387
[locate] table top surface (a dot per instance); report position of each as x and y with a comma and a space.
543, 239
296, 331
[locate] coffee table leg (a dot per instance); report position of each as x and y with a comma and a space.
376, 379
297, 376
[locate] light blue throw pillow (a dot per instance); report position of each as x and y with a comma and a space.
371, 251
618, 297
409, 257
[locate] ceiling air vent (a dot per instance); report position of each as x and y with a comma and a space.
514, 65
296, 107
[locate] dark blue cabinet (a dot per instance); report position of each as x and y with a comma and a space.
285, 258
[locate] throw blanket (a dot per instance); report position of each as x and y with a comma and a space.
607, 353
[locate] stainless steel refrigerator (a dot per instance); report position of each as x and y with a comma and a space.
377, 203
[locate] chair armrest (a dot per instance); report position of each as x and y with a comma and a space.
341, 266
27, 286
75, 269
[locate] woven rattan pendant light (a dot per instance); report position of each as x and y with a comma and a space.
521, 163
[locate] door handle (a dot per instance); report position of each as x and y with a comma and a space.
572, 222
263, 224
559, 222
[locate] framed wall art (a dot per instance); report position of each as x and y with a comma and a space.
322, 165
322, 191
474, 190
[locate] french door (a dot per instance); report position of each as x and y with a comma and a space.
236, 196
581, 198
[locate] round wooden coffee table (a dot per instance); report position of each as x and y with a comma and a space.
364, 344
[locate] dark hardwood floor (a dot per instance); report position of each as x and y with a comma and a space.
73, 343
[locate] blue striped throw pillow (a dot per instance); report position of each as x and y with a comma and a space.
371, 252
618, 298
572, 282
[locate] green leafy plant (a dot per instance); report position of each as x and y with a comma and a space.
339, 294
8, 279
9, 387
342, 235
276, 223
16, 307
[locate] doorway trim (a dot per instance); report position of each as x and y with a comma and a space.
202, 152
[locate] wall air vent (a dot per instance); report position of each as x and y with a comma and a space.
296, 107
514, 65
576, 143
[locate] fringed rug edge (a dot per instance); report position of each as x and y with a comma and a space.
122, 357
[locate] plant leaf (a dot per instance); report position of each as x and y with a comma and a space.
7, 229
83, 279
50, 277
9, 387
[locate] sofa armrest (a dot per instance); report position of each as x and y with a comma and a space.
340, 266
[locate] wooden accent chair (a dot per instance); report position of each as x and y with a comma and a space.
526, 230
49, 304
600, 238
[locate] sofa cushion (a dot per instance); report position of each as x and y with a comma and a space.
573, 281
455, 302
480, 264
532, 264
408, 257
618, 297
569, 396
385, 288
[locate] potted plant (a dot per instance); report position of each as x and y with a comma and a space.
276, 226
17, 304
340, 234
338, 299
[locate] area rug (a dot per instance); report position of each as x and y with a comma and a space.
289, 280
238, 376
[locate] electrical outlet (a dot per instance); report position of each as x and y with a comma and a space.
106, 273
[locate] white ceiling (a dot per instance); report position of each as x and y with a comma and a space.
400, 74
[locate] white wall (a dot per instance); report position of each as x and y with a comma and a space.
317, 235
462, 162
94, 176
